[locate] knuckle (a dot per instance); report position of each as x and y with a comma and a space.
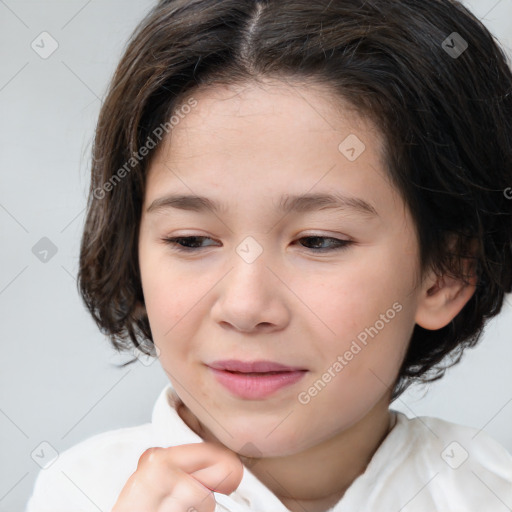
149, 456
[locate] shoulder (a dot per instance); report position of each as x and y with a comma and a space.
92, 473
461, 467
460, 443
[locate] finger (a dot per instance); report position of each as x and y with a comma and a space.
214, 466
164, 488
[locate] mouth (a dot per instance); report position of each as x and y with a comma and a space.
255, 380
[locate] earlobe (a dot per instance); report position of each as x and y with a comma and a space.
441, 299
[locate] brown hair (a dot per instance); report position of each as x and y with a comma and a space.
446, 119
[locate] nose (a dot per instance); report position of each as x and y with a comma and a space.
252, 297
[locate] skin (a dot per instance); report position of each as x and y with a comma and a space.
246, 146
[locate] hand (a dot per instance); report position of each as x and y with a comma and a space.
180, 479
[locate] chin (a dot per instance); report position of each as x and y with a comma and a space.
256, 442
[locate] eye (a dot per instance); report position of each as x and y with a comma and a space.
192, 243
185, 243
336, 243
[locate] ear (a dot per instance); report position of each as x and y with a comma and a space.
443, 297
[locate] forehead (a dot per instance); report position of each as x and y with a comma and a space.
267, 140
286, 108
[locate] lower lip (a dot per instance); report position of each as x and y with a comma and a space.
254, 386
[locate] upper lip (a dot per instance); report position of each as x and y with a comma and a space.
261, 366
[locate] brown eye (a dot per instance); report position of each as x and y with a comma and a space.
186, 243
315, 243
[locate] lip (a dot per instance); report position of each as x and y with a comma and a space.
260, 366
241, 379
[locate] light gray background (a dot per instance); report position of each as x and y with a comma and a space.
58, 383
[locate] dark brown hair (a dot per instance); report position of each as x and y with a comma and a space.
446, 119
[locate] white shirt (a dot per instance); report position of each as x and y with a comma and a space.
424, 464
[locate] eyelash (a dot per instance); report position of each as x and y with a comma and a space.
173, 242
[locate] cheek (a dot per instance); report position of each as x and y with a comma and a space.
367, 317
167, 295
354, 298
171, 318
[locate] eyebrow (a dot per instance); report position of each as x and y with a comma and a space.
288, 203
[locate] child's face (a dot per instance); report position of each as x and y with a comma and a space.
246, 148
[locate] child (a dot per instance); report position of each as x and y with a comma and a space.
301, 208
